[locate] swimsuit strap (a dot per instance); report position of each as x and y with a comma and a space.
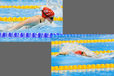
40, 21
82, 53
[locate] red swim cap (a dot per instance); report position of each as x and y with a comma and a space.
47, 12
78, 52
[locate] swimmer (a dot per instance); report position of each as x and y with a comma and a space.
76, 49
47, 13
79, 52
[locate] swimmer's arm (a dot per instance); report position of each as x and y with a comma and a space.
62, 53
27, 21
20, 24
89, 56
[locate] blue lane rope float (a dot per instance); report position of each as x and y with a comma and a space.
82, 35
27, 35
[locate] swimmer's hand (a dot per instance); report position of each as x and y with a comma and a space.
62, 53
56, 54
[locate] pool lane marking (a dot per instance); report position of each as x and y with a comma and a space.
82, 41
97, 52
83, 70
17, 19
24, 6
77, 67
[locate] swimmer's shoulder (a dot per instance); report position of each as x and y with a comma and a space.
41, 18
38, 16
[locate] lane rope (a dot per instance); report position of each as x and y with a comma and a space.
75, 67
23, 6
83, 70
82, 41
27, 35
17, 19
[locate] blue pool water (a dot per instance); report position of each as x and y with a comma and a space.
78, 60
81, 60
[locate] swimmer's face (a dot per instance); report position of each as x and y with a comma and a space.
84, 54
50, 19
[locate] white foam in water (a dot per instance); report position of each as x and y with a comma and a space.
56, 6
106, 56
5, 27
53, 3
51, 24
69, 47
47, 23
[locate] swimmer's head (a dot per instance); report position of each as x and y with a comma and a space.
80, 53
48, 14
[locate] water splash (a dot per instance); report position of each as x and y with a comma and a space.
53, 3
106, 56
5, 27
47, 23
56, 6
69, 47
